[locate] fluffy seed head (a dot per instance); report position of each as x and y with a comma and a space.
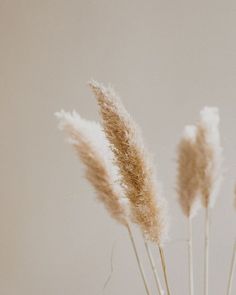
187, 177
147, 206
89, 141
209, 155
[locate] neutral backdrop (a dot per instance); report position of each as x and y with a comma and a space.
167, 60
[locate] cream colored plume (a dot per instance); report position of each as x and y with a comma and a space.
187, 177
90, 143
209, 155
148, 208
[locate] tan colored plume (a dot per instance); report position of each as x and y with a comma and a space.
91, 145
187, 176
138, 179
209, 155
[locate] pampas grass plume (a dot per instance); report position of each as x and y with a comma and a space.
147, 206
187, 175
91, 145
209, 155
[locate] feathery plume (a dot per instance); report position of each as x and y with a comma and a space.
209, 171
188, 187
187, 176
148, 208
136, 171
209, 155
90, 143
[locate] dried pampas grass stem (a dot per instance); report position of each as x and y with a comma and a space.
164, 268
206, 251
232, 268
138, 260
233, 260
190, 256
153, 266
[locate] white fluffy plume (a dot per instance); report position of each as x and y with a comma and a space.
90, 143
210, 154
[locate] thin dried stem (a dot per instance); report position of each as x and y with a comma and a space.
163, 263
138, 260
153, 266
232, 269
206, 252
190, 254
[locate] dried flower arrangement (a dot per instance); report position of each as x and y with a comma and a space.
119, 168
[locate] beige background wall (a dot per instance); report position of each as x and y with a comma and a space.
167, 59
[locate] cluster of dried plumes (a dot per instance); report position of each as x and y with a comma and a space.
199, 176
199, 162
134, 174
137, 198
120, 170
